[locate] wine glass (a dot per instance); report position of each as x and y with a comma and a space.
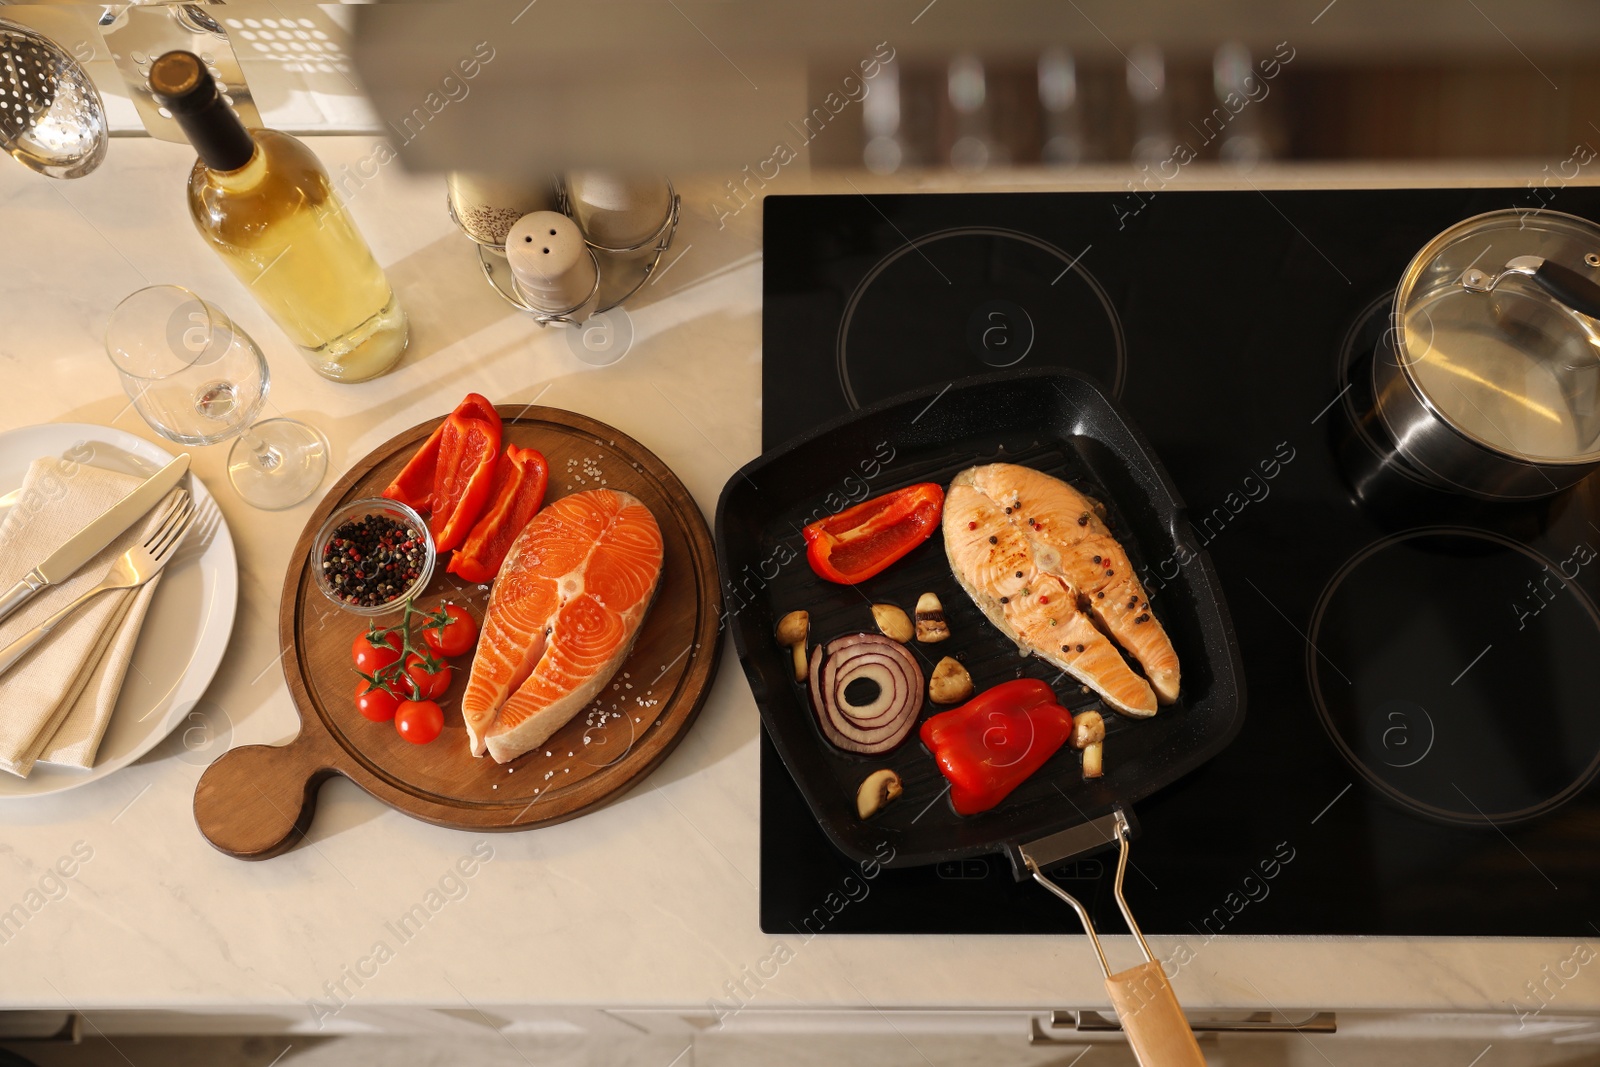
198, 379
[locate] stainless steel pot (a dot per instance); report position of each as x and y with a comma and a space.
1488, 379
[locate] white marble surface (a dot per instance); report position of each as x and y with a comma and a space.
649, 902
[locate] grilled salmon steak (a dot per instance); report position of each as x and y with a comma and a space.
1035, 556
562, 617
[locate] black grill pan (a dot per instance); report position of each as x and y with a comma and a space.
1054, 421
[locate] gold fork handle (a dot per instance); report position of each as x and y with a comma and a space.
20, 647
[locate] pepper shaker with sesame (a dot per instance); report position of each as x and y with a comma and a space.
485, 206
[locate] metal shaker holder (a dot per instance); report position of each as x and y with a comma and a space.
614, 267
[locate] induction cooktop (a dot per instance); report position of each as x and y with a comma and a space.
1423, 669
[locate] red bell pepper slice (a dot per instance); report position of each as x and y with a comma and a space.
413, 486
469, 449
861, 541
520, 479
992, 743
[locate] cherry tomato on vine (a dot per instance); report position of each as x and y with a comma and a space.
458, 636
418, 721
429, 685
376, 704
370, 658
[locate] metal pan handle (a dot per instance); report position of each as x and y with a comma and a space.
1561, 283
1142, 996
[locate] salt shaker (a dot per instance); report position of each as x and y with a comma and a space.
617, 212
485, 206
555, 271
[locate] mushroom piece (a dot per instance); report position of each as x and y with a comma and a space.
1092, 760
931, 625
793, 629
1089, 734
878, 789
893, 622
950, 683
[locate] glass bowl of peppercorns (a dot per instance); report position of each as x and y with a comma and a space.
371, 554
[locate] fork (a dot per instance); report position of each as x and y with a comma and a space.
135, 567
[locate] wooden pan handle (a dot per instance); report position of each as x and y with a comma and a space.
1152, 1019
256, 801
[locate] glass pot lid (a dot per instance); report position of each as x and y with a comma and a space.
1496, 330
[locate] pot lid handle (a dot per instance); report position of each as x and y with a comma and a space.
1564, 284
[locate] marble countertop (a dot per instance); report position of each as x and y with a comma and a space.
650, 902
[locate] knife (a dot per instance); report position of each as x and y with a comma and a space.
82, 546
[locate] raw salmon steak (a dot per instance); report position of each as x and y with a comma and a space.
562, 617
1035, 556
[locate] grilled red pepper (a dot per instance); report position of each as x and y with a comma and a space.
992, 743
520, 479
859, 542
469, 450
413, 486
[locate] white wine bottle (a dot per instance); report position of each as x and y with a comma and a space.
264, 203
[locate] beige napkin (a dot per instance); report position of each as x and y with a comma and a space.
77, 739
57, 699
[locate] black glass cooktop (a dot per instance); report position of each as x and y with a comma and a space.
1423, 670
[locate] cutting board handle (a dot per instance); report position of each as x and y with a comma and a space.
1152, 1019
257, 800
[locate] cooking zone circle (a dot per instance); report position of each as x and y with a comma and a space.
968, 300
1456, 669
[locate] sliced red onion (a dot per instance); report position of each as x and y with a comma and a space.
868, 664
881, 724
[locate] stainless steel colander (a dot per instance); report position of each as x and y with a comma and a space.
51, 115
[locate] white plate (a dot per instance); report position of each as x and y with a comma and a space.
190, 618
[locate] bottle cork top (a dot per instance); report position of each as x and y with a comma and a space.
180, 83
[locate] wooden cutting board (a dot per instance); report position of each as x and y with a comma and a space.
257, 801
